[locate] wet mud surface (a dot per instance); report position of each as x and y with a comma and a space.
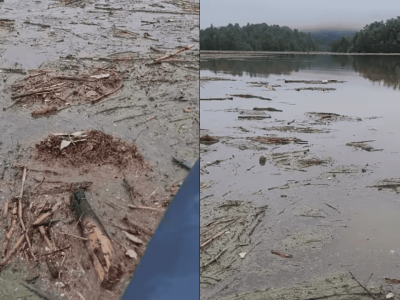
323, 169
100, 97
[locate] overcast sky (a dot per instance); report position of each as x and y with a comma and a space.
300, 14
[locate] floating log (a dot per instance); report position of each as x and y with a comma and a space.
253, 117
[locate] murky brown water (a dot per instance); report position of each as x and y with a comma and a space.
363, 237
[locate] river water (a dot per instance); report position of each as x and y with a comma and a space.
367, 239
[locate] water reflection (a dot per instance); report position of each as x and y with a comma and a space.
377, 69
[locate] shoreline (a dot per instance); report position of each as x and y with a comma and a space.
213, 53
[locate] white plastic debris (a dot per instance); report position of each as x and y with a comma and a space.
324, 81
242, 254
389, 296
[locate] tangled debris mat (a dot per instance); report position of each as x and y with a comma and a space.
295, 129
47, 91
7, 25
92, 147
226, 237
122, 195
277, 140
297, 160
338, 286
323, 118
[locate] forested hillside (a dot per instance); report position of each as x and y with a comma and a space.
377, 37
255, 37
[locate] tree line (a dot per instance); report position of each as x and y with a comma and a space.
377, 37
255, 37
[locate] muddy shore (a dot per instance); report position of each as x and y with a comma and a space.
154, 107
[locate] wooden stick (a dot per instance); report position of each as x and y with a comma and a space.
59, 270
213, 238
5, 212
20, 213
39, 184
80, 295
41, 218
5, 260
215, 258
23, 182
8, 236
175, 53
46, 215
145, 207
49, 89
75, 236
362, 286
56, 251
137, 225
46, 239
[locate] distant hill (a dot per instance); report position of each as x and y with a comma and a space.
325, 37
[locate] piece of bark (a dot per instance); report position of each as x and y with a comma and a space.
98, 242
5, 260
282, 254
8, 236
48, 214
134, 224
133, 238
53, 269
5, 211
46, 239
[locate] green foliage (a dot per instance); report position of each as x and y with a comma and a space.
377, 37
255, 37
326, 37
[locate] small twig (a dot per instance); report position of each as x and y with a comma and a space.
369, 279
138, 136
362, 286
216, 257
332, 207
59, 270
80, 295
39, 184
145, 207
5, 211
56, 251
121, 244
213, 238
79, 220
5, 260
75, 236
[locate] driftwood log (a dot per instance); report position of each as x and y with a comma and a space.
98, 242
